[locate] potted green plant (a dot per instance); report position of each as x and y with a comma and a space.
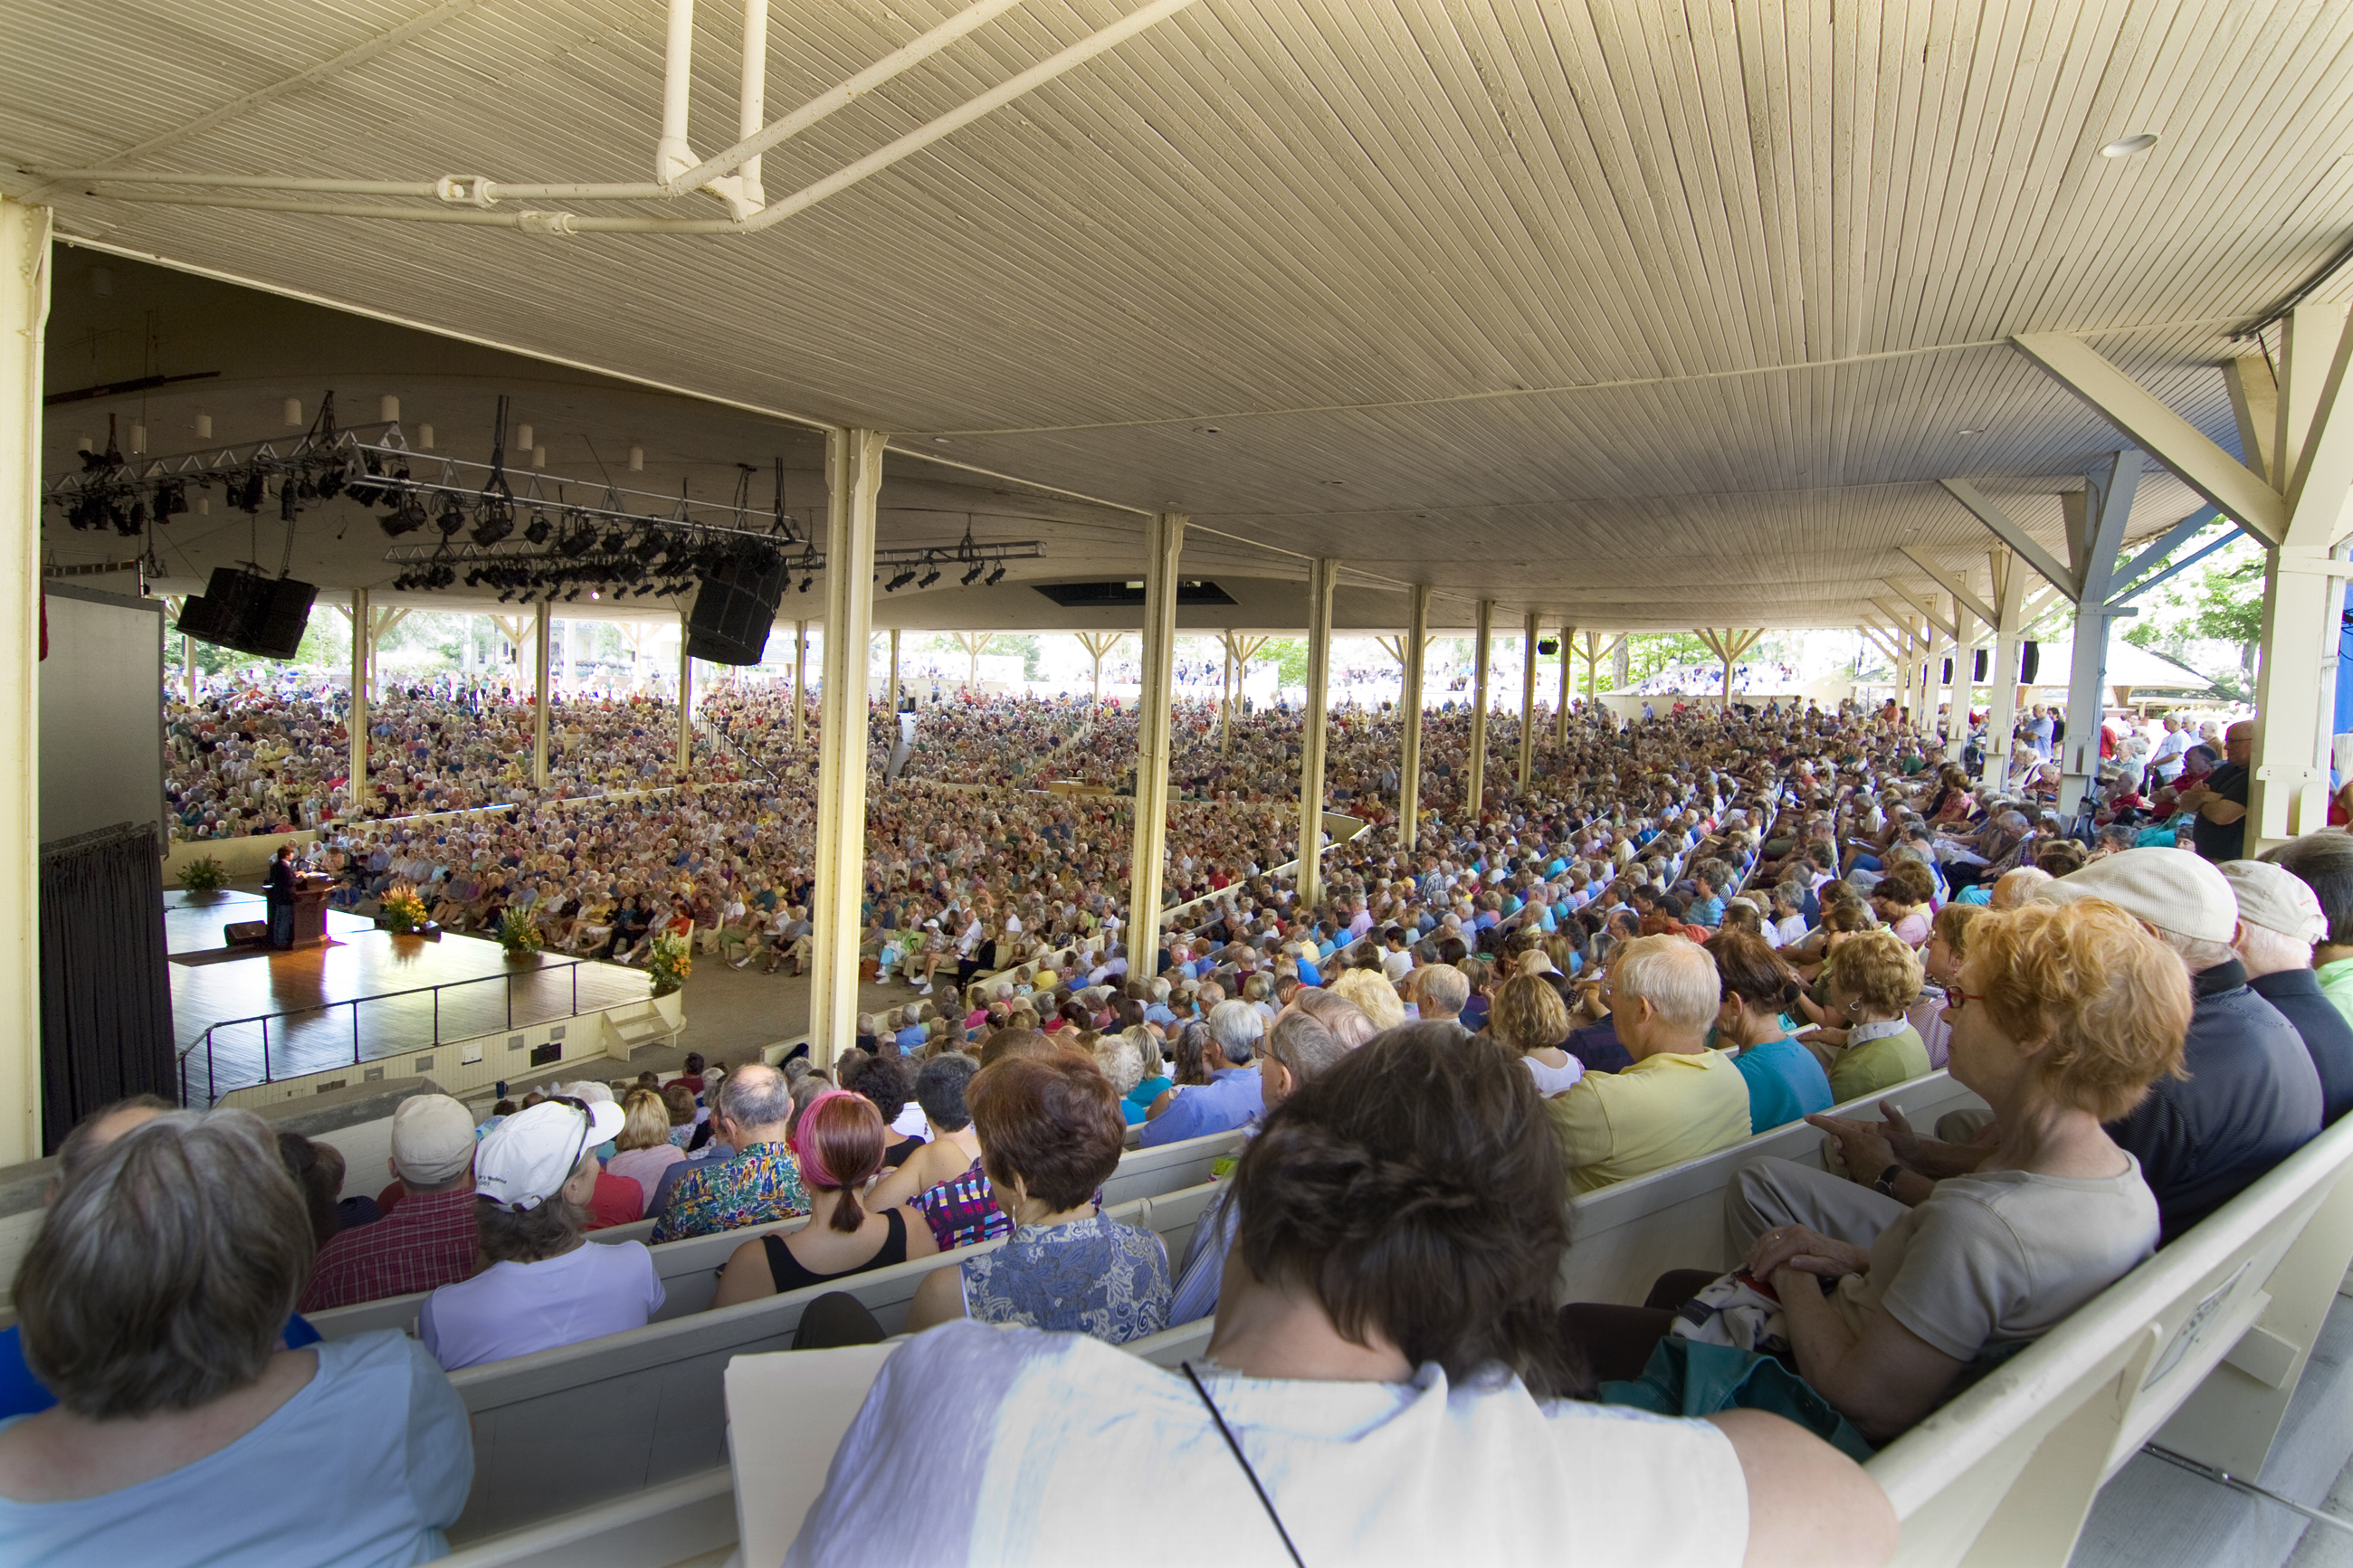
518, 934
670, 963
204, 875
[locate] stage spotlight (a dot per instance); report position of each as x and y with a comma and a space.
406, 516
973, 575
453, 515
900, 581
538, 528
494, 525
928, 578
805, 584
994, 578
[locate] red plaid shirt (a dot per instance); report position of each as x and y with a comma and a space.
426, 1243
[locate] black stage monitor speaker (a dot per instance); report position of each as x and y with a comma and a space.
250, 613
735, 606
1547, 646
2030, 659
1980, 677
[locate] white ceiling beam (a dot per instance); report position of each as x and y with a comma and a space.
1952, 582
2007, 528
2164, 434
1926, 607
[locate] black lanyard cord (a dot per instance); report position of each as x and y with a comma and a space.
1226, 1432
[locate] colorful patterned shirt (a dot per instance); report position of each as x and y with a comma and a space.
426, 1243
1092, 1276
962, 1210
760, 1185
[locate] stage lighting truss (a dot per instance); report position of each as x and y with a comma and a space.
563, 545
130, 495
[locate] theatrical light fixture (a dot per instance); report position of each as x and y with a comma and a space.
973, 575
538, 528
994, 578
928, 578
493, 525
406, 516
453, 515
900, 581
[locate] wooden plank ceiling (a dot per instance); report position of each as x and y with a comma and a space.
1638, 313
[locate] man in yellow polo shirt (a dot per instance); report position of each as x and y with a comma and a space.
1680, 1099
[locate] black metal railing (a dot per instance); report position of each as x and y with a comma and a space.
205, 1045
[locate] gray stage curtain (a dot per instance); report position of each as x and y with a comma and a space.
106, 997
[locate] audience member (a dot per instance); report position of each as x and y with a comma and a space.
1757, 990
757, 1183
1678, 1100
1051, 1135
542, 1284
152, 1303
1872, 979
1529, 1020
428, 1240
1232, 1096
643, 1149
840, 1138
2280, 924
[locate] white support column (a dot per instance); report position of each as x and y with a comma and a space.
1476, 785
24, 320
1560, 718
1322, 574
2303, 592
1527, 698
894, 670
1964, 676
539, 694
355, 722
1164, 542
1417, 640
800, 686
853, 477
2001, 708
2096, 537
685, 750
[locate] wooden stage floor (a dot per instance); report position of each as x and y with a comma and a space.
366, 994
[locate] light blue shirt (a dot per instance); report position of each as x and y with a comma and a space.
364, 1467
1232, 1099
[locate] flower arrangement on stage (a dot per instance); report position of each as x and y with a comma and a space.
403, 911
207, 875
669, 962
518, 934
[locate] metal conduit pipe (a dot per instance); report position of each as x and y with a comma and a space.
672, 154
567, 223
752, 102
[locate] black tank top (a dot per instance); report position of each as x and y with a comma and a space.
787, 1271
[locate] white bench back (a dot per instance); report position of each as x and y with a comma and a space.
581, 1424
1622, 1237
2205, 1342
689, 1268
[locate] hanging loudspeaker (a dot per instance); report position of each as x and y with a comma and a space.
1980, 677
2030, 659
1948, 672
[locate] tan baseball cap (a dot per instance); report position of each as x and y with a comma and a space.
432, 1139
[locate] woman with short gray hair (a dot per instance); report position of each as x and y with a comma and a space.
152, 1303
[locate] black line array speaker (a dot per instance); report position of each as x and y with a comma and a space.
2030, 659
1980, 677
1548, 647
735, 606
1948, 671
250, 613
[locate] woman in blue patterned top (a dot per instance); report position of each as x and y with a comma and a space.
1050, 1134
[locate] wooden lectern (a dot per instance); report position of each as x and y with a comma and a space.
310, 891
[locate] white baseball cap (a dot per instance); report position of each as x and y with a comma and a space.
432, 1138
2161, 888
2277, 899
526, 1159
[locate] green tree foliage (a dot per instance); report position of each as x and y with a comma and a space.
1648, 653
2220, 600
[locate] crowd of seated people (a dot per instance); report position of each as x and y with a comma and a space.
1656, 953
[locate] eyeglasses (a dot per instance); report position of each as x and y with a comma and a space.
1955, 998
